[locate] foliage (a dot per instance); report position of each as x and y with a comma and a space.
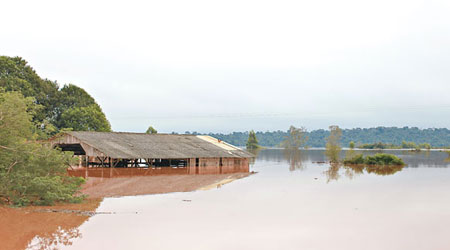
295, 139
16, 75
409, 144
30, 172
438, 137
356, 159
333, 147
79, 111
151, 130
377, 159
252, 142
54, 105
89, 118
383, 159
379, 145
351, 152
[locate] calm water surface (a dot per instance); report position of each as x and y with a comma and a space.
293, 202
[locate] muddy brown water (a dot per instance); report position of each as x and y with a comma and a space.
293, 202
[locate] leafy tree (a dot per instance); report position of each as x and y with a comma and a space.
412, 145
17, 75
252, 142
295, 139
426, 146
333, 147
30, 172
351, 152
384, 137
151, 130
90, 118
74, 96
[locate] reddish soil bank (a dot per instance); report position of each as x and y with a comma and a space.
97, 187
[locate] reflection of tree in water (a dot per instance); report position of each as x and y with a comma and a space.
384, 170
44, 227
53, 241
332, 173
351, 171
448, 158
255, 152
294, 158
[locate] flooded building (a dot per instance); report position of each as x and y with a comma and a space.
160, 153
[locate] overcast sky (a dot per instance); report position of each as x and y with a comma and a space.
221, 66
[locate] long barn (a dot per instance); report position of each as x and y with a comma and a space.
140, 150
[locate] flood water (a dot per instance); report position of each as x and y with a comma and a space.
293, 202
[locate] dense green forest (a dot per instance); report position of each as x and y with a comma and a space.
31, 110
437, 137
57, 108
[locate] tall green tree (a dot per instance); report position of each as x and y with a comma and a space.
295, 139
333, 146
77, 110
90, 118
252, 141
55, 105
351, 152
17, 75
151, 130
30, 172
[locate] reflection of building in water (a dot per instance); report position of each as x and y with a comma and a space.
152, 171
157, 153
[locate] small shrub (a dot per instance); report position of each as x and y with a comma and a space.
377, 159
383, 159
357, 159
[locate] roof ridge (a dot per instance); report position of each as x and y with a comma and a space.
135, 133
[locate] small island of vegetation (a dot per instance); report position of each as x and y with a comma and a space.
377, 159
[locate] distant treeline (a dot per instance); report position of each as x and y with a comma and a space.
393, 136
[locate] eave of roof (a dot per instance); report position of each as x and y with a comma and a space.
126, 145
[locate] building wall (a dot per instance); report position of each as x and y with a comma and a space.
212, 165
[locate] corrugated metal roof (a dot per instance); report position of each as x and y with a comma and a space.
157, 146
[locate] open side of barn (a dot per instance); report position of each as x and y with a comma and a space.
162, 153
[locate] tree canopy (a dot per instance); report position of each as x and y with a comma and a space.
333, 146
30, 172
70, 107
437, 137
295, 139
252, 142
151, 130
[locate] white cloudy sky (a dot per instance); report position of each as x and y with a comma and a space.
221, 66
